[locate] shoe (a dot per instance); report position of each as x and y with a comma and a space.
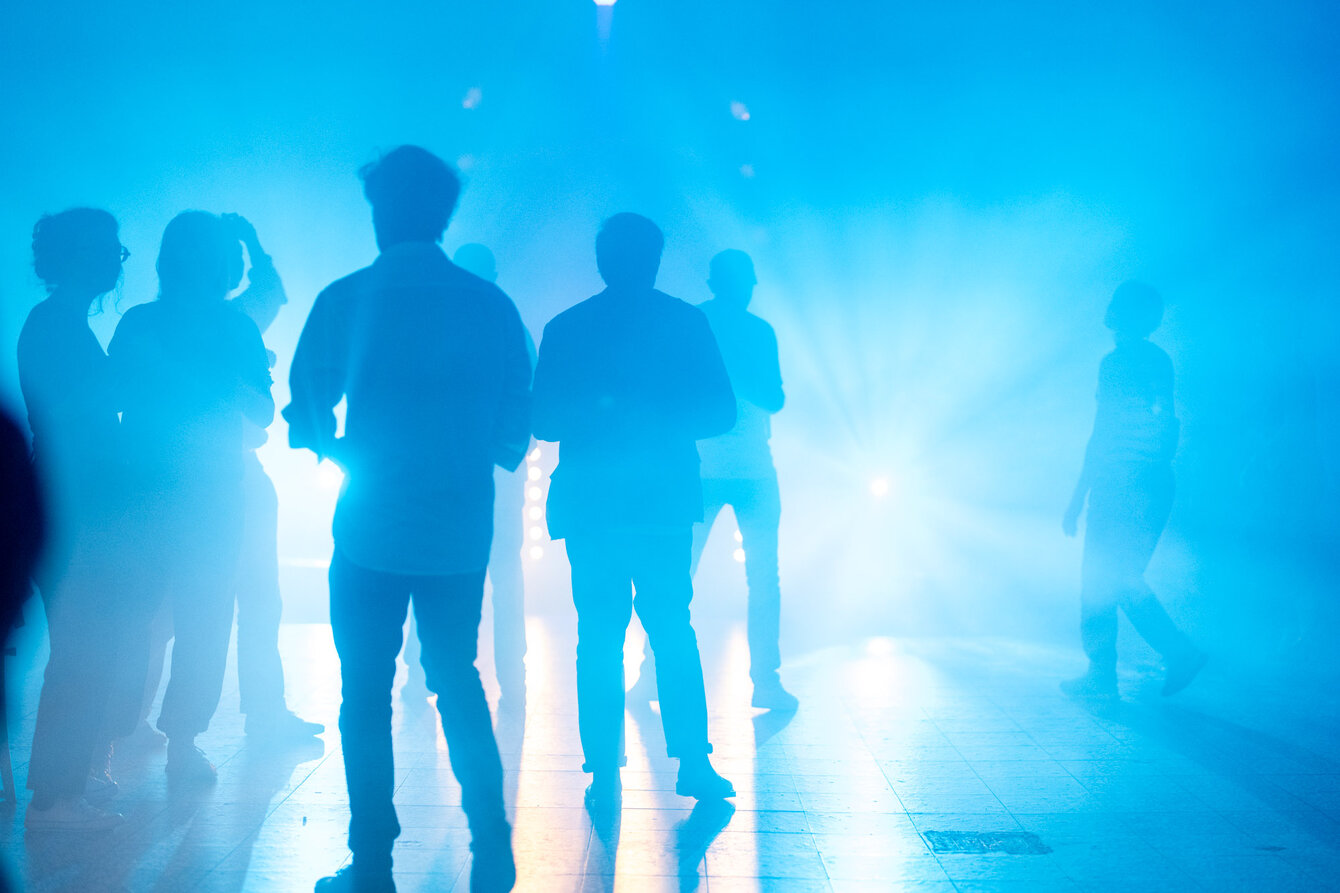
492, 866
349, 880
68, 814
283, 725
771, 696
100, 787
1095, 684
187, 764
1181, 672
701, 782
605, 792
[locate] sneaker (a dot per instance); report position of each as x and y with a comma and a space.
68, 814
697, 779
100, 787
771, 696
283, 725
1181, 672
1094, 684
492, 866
187, 764
349, 880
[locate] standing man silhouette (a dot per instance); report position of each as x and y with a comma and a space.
432, 364
738, 472
626, 382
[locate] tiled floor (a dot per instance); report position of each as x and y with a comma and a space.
1229, 787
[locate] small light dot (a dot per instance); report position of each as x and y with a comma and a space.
739, 555
536, 533
534, 493
473, 96
537, 552
739, 537
534, 455
879, 487
739, 111
535, 513
533, 473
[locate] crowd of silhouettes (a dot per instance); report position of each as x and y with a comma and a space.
154, 518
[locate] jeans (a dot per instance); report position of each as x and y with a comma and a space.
1128, 509
607, 566
758, 511
367, 615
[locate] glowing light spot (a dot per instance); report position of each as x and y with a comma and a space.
535, 513
473, 97
534, 455
747, 171
606, 2
536, 533
739, 537
738, 555
534, 493
465, 162
533, 473
329, 476
739, 111
879, 487
536, 552
879, 647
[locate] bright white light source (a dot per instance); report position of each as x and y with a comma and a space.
534, 493
473, 97
739, 555
537, 552
536, 533
606, 2
534, 455
739, 537
535, 513
739, 111
879, 487
329, 476
533, 473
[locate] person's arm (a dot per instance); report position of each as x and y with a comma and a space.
1070, 520
708, 406
512, 432
766, 392
253, 379
317, 379
265, 290
551, 388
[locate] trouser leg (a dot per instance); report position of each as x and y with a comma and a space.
715, 500
448, 610
602, 593
367, 616
758, 509
260, 672
202, 569
664, 590
77, 684
508, 582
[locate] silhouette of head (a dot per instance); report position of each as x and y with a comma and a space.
628, 251
199, 260
78, 251
476, 258
413, 194
1135, 312
731, 278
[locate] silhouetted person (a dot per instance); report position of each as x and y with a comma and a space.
260, 604
72, 411
193, 373
1128, 479
737, 470
23, 528
505, 573
626, 382
431, 361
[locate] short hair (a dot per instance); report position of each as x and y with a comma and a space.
731, 264
477, 259
412, 192
200, 257
1136, 309
628, 250
60, 242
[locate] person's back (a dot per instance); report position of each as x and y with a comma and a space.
638, 382
1135, 422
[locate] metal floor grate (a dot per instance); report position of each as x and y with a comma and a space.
1013, 843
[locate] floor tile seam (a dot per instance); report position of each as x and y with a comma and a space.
974, 771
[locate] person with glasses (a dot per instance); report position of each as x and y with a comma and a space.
72, 411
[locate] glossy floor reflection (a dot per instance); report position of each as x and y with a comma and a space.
1229, 787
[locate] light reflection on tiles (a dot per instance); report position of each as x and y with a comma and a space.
893, 739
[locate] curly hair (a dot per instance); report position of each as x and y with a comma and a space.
61, 242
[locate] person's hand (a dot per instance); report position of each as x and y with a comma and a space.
1070, 522
243, 231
